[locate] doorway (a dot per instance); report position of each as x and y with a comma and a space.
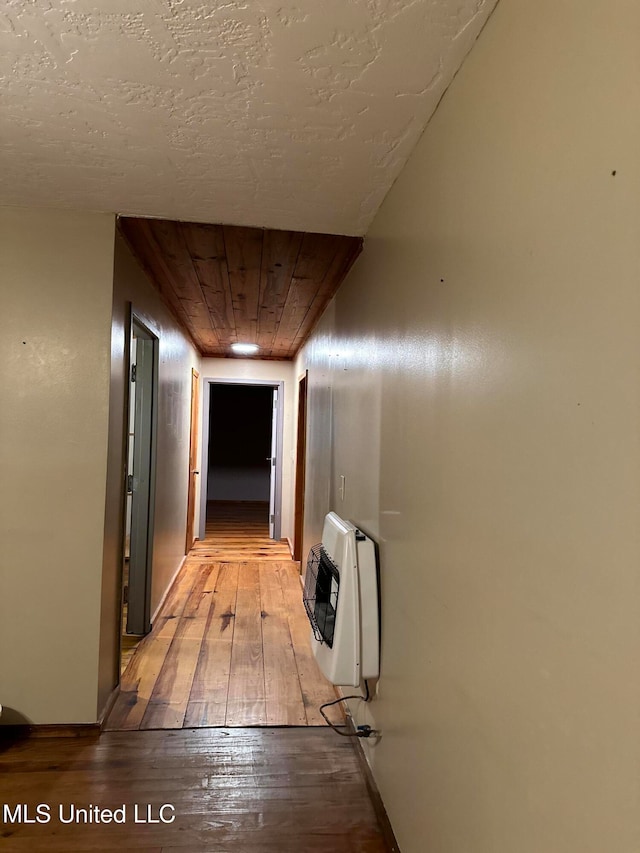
301, 454
242, 449
193, 460
140, 486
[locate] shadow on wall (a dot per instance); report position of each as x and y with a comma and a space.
14, 728
11, 717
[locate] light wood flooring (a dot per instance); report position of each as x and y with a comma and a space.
231, 644
238, 531
234, 791
129, 642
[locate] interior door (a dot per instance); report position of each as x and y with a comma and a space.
272, 477
193, 460
140, 484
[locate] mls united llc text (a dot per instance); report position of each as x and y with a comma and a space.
21, 813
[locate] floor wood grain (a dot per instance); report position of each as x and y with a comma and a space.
234, 791
231, 644
238, 531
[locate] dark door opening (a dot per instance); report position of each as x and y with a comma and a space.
239, 474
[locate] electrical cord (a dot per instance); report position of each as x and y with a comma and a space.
363, 731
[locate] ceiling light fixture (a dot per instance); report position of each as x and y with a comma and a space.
245, 349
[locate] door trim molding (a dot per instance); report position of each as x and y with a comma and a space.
207, 382
193, 439
301, 465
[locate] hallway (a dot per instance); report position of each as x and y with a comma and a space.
258, 790
230, 646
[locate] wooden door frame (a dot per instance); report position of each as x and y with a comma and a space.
276, 384
192, 489
301, 459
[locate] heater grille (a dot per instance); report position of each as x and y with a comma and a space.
321, 586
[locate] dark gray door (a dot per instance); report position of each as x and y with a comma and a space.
141, 480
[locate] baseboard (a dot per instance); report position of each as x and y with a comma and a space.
167, 590
111, 701
290, 544
51, 730
376, 800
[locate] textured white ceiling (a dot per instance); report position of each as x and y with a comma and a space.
253, 112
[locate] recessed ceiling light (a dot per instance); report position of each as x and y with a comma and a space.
245, 349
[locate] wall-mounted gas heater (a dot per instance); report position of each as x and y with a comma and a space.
341, 600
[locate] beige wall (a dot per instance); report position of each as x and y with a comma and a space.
272, 371
55, 311
478, 374
177, 357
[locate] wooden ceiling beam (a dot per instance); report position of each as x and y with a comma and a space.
244, 260
206, 246
140, 239
348, 251
316, 256
229, 283
280, 251
170, 241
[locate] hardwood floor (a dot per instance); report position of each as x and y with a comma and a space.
129, 642
234, 791
239, 531
231, 644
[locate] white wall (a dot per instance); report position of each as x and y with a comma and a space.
272, 371
238, 484
476, 382
177, 357
55, 320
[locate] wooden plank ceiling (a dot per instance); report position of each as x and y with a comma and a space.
228, 284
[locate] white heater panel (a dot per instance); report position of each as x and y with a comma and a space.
353, 653
369, 607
